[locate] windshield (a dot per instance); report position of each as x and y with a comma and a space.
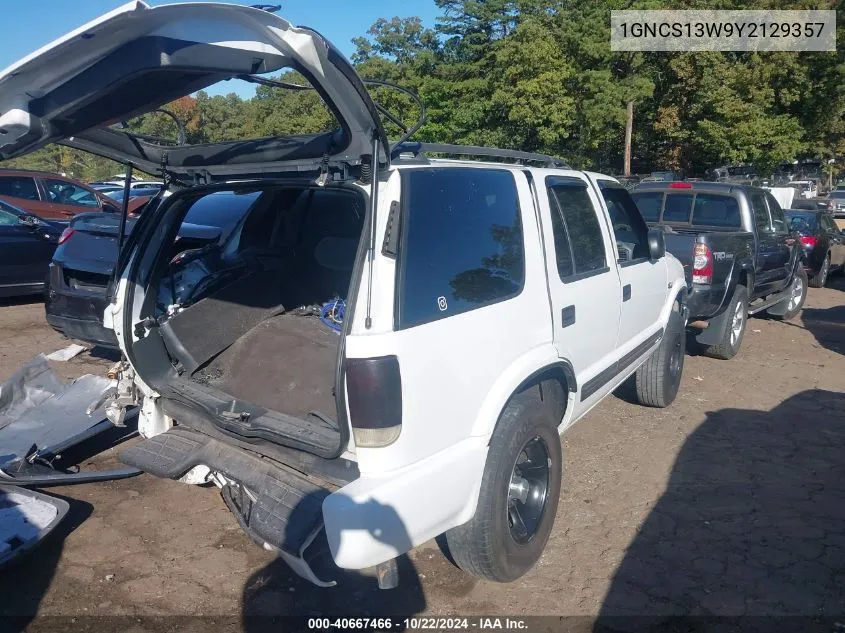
836, 194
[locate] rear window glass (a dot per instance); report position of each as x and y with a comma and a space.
649, 204
18, 187
836, 194
804, 222
462, 242
678, 207
715, 210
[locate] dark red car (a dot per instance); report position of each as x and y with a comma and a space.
50, 196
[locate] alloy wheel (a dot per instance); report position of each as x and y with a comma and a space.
528, 490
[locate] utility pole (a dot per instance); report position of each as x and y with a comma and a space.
629, 128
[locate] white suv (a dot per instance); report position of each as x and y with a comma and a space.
388, 345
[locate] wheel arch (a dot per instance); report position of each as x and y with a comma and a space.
533, 368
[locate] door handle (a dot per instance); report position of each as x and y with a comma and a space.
567, 316
626, 292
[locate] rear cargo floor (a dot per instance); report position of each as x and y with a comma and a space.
285, 364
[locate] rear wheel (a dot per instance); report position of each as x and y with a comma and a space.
519, 490
794, 301
820, 278
658, 379
729, 345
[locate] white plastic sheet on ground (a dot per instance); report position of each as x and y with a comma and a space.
39, 408
66, 353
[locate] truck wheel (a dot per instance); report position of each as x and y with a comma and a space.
797, 294
820, 279
734, 332
658, 379
519, 489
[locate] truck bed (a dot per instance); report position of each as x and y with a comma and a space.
727, 245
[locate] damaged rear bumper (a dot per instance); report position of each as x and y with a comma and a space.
378, 517
369, 521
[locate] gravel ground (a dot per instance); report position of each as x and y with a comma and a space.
730, 502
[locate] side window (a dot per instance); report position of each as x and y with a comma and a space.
563, 252
63, 192
18, 187
462, 244
629, 229
649, 204
678, 208
761, 215
569, 198
827, 224
778, 219
8, 219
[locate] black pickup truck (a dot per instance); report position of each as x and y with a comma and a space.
738, 252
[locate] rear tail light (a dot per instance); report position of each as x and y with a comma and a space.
702, 264
808, 240
374, 390
66, 234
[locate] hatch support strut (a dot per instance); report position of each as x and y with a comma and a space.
371, 250
127, 185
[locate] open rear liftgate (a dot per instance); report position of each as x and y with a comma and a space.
279, 509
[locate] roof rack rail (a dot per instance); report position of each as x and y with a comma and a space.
419, 149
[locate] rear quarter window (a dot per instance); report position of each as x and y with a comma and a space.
18, 187
716, 210
462, 244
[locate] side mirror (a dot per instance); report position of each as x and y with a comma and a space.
656, 244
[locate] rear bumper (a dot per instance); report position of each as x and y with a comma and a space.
77, 314
706, 301
83, 330
378, 517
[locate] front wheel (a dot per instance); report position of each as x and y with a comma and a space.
519, 489
794, 301
658, 379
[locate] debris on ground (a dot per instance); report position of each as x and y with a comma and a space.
26, 518
41, 416
67, 353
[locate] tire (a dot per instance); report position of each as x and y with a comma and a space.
735, 326
791, 305
820, 278
488, 546
658, 379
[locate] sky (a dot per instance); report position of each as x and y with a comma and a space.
34, 23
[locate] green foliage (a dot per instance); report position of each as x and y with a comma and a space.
539, 75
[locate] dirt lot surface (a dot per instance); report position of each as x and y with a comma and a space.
730, 502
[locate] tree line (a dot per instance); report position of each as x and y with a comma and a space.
539, 75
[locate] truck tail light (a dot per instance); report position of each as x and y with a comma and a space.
808, 240
66, 235
374, 390
702, 264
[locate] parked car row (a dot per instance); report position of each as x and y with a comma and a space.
740, 254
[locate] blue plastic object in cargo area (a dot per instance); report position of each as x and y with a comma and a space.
332, 314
